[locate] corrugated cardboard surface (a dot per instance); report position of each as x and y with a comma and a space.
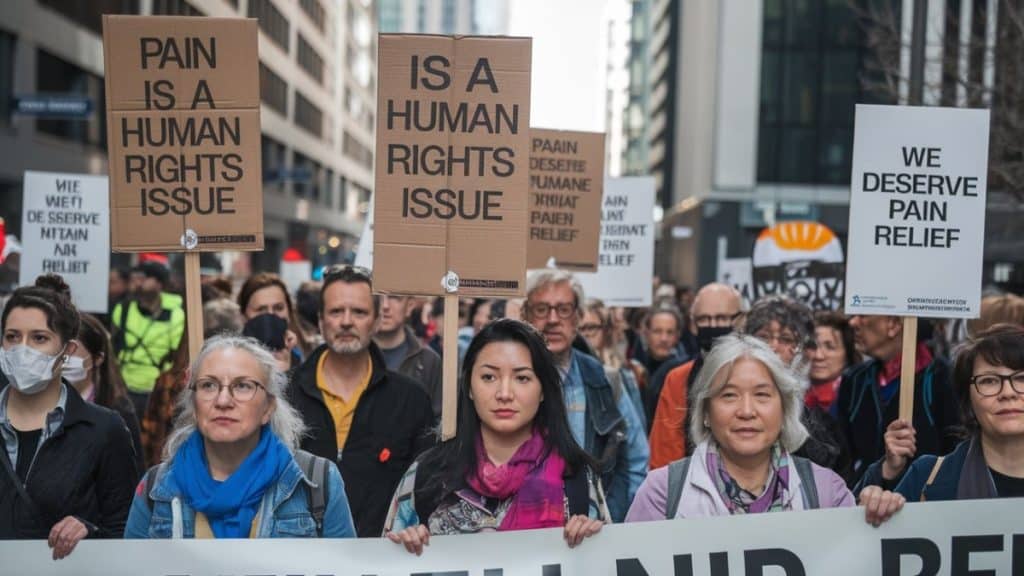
412, 255
234, 87
566, 232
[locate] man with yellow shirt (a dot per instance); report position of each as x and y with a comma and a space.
370, 421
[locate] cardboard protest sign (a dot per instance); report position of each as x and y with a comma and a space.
626, 261
566, 184
452, 164
803, 260
917, 211
65, 230
183, 119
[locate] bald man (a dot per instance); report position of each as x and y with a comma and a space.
716, 311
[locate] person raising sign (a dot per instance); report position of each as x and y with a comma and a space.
514, 464
988, 381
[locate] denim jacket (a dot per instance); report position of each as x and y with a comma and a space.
284, 510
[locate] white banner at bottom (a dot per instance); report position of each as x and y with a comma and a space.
977, 538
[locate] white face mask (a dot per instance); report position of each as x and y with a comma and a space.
28, 370
74, 370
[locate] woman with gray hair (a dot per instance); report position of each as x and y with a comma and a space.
231, 465
746, 423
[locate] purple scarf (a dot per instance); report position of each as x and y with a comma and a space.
740, 501
532, 477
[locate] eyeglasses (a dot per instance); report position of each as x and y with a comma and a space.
543, 309
787, 340
992, 384
242, 390
705, 320
590, 328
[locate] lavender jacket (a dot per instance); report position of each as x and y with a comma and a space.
700, 496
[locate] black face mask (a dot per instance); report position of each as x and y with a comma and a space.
706, 336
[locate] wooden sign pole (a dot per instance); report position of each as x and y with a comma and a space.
193, 304
450, 368
909, 361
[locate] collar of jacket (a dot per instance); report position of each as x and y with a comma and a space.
700, 478
412, 341
306, 375
602, 410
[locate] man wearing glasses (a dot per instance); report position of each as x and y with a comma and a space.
603, 420
370, 421
716, 311
867, 407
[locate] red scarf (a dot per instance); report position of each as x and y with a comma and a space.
532, 477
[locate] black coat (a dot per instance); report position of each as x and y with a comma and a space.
390, 427
863, 417
85, 469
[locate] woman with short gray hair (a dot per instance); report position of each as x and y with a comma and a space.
231, 466
746, 423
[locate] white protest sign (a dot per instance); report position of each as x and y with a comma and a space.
625, 266
738, 273
364, 252
917, 211
66, 230
293, 274
982, 536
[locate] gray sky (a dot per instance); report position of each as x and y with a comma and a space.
569, 44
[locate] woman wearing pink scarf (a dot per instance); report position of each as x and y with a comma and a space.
513, 464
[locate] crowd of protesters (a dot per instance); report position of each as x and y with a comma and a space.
315, 413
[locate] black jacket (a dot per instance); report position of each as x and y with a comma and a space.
423, 365
390, 427
863, 417
85, 469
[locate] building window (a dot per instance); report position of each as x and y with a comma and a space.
308, 116
390, 15
355, 150
812, 67
273, 159
89, 13
7, 42
56, 76
310, 61
448, 16
272, 21
421, 16
309, 177
175, 8
273, 90
315, 10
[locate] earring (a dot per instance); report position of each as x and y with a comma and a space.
706, 425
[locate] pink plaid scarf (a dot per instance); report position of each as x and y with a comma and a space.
532, 477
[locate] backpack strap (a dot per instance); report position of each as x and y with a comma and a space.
677, 472
577, 492
810, 487
315, 469
932, 475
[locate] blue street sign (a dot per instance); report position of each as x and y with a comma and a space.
53, 106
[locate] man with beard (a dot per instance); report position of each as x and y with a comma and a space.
370, 421
716, 311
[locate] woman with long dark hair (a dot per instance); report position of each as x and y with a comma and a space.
513, 464
92, 369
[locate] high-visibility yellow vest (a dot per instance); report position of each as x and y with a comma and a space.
149, 343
